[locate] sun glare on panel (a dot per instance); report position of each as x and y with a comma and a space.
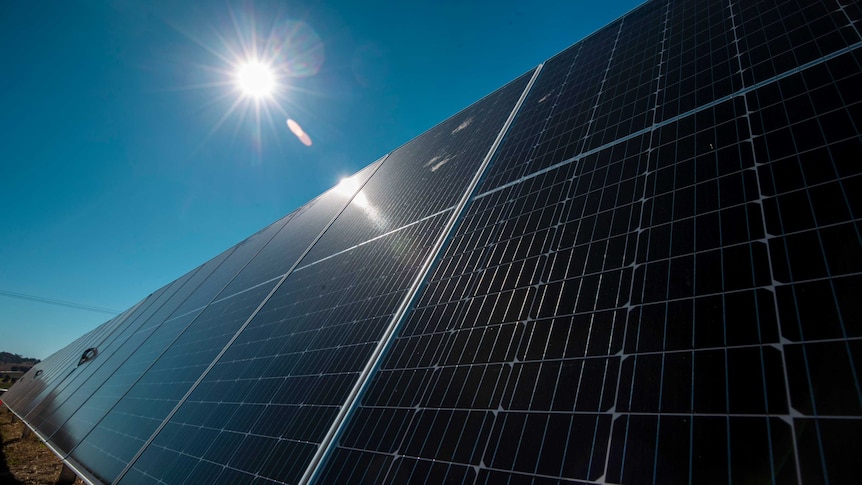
255, 79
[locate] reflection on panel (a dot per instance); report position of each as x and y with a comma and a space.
283, 251
43, 378
152, 323
118, 436
425, 176
558, 113
51, 412
299, 358
273, 396
663, 305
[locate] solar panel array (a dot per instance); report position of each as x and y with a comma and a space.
639, 263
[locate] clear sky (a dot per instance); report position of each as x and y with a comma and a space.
123, 164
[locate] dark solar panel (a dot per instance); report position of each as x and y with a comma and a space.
283, 251
53, 411
424, 177
41, 381
299, 358
45, 375
115, 439
612, 315
639, 264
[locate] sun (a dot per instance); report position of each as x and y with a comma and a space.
255, 79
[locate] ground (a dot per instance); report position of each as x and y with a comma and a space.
25, 460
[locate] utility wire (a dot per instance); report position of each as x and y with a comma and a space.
51, 301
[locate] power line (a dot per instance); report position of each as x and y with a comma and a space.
52, 301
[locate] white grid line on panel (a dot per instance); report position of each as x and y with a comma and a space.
244, 325
374, 362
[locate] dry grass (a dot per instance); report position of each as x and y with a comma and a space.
25, 460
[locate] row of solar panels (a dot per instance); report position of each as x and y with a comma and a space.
637, 263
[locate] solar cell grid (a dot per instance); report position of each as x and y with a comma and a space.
628, 95
118, 368
53, 411
239, 257
700, 62
282, 252
423, 177
143, 407
801, 217
560, 105
318, 330
485, 363
38, 388
287, 375
780, 35
148, 346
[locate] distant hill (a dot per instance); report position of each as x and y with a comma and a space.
7, 358
16, 362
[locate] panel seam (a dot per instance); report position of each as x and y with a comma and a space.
341, 419
246, 323
741, 92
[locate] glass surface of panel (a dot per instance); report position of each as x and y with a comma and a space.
130, 423
283, 251
700, 58
425, 176
776, 37
112, 359
239, 257
274, 394
499, 325
33, 386
660, 310
557, 114
63, 366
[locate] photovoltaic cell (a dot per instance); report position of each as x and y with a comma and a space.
655, 281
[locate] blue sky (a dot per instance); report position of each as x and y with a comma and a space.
122, 165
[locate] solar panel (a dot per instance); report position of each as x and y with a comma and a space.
300, 356
606, 311
41, 380
638, 263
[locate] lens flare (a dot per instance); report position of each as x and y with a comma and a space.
299, 132
297, 49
